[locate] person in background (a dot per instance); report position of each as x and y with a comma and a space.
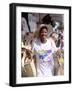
62, 38
60, 42
53, 39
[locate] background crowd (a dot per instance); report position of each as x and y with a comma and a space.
30, 23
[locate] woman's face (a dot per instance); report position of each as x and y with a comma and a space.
43, 34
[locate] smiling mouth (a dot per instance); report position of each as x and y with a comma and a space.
43, 35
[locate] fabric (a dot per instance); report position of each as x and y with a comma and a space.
44, 58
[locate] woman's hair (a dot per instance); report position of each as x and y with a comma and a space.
43, 27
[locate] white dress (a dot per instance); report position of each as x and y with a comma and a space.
44, 58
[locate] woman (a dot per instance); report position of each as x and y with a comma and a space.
43, 52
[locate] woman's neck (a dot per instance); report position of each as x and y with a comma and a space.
43, 41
